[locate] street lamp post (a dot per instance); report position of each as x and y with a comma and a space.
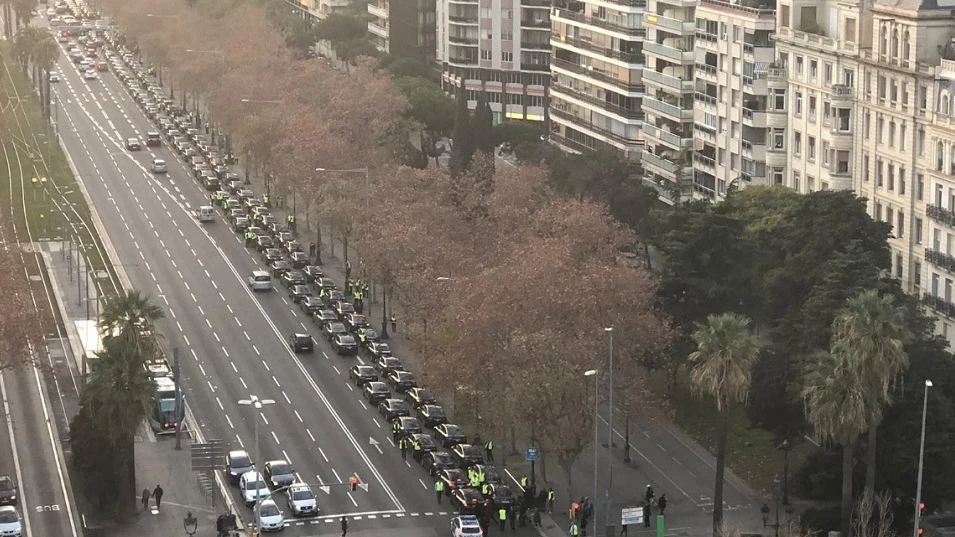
593, 373
609, 331
776, 485
918, 490
190, 524
257, 404
785, 447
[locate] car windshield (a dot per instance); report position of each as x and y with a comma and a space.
302, 494
452, 429
241, 462
390, 362
6, 484
7, 517
167, 405
252, 485
269, 509
435, 411
442, 458
281, 469
365, 370
471, 530
302, 338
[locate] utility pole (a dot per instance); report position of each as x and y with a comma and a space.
609, 331
179, 410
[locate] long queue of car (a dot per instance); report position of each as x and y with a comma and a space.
409, 408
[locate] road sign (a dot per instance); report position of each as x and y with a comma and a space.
631, 515
208, 456
533, 454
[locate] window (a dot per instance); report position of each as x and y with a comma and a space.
891, 176
737, 34
507, 14
813, 70
900, 223
810, 183
779, 138
881, 87
826, 112
485, 54
507, 56
849, 30
901, 181
812, 108
888, 217
796, 181
879, 178
799, 66
811, 152
797, 143
784, 16
878, 130
920, 141
919, 187
892, 133
917, 274
894, 91
827, 73
898, 266
723, 31
779, 100
797, 106
918, 231
865, 169
825, 153
902, 136
778, 176
507, 35
923, 97
878, 211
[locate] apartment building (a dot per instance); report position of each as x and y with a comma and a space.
668, 100
318, 9
597, 62
733, 54
501, 47
404, 28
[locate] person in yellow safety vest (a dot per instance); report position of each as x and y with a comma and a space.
574, 529
480, 477
550, 500
361, 338
395, 427
322, 294
485, 489
249, 237
265, 200
417, 450
470, 475
489, 450
439, 490
502, 517
524, 481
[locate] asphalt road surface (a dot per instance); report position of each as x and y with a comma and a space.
231, 342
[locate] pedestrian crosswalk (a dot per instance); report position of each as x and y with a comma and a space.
329, 519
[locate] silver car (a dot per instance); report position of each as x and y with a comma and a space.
301, 500
158, 166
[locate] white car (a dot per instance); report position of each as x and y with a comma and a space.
301, 500
89, 74
54, 76
158, 166
10, 524
270, 516
249, 483
466, 526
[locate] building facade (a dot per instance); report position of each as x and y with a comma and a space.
318, 9
404, 28
597, 63
501, 47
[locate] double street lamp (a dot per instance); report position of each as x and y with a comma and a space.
257, 404
918, 490
593, 373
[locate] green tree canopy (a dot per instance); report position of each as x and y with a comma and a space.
410, 67
482, 126
339, 28
463, 148
428, 104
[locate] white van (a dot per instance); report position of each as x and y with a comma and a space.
206, 214
260, 280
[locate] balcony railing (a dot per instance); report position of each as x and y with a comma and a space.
584, 124
463, 60
536, 3
598, 22
681, 27
762, 13
941, 214
674, 54
596, 75
706, 68
675, 140
939, 304
582, 96
533, 45
672, 111
940, 259
669, 81
535, 23
629, 3
458, 40
629, 57
704, 160
463, 20
706, 99
659, 162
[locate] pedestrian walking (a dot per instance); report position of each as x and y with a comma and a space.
395, 430
404, 449
550, 500
502, 517
439, 489
537, 518
344, 526
662, 503
574, 507
311, 250
765, 511
489, 450
623, 530
647, 513
394, 323
574, 529
584, 519
157, 493
145, 499
513, 518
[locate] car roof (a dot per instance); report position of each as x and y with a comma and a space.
276, 461
252, 474
302, 335
234, 454
259, 273
469, 520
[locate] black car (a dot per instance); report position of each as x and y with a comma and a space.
355, 321
436, 461
423, 443
449, 435
8, 491
467, 455
393, 408
407, 425
432, 415
387, 364
263, 242
299, 292
343, 308
344, 345
311, 305
271, 254
420, 396
313, 272
371, 335
325, 283
133, 144
279, 268
376, 391
332, 329
453, 478
294, 246
153, 139
301, 343
293, 277
299, 259
331, 297
238, 462
401, 381
490, 474
468, 501
377, 349
502, 496
362, 374
279, 473
324, 316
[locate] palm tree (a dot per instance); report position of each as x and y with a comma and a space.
132, 318
726, 351
871, 331
840, 405
118, 398
45, 54
24, 11
23, 43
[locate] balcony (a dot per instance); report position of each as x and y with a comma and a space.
597, 75
670, 111
681, 27
754, 118
459, 40
708, 101
583, 124
459, 19
533, 45
567, 14
628, 57
378, 30
559, 89
941, 214
703, 161
940, 259
542, 4
463, 60
939, 304
706, 71
706, 40
841, 93
536, 24
377, 11
672, 82
673, 54
759, 13
535, 67
669, 167
673, 140
629, 3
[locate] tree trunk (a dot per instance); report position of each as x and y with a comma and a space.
870, 461
723, 434
846, 516
318, 244
345, 248
126, 486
